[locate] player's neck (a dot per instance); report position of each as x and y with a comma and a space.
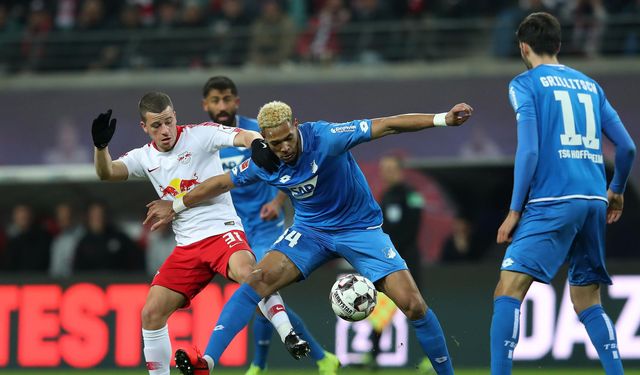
542, 60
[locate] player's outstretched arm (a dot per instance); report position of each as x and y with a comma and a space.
245, 138
163, 211
412, 122
102, 130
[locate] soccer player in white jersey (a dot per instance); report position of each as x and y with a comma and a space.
210, 238
559, 207
336, 216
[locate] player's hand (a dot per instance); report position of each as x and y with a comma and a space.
262, 155
160, 212
616, 203
505, 232
102, 129
458, 114
270, 211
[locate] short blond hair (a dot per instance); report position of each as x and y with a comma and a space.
274, 114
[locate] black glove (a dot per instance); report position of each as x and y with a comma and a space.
262, 155
102, 129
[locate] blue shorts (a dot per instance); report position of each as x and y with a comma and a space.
550, 233
369, 251
261, 242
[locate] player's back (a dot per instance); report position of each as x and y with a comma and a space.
567, 107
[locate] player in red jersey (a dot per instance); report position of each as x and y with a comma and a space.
210, 238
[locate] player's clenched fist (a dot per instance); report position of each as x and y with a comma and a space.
458, 114
102, 129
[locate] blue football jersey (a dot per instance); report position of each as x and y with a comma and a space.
568, 108
326, 186
248, 200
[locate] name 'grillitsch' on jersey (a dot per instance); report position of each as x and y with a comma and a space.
324, 171
173, 173
554, 91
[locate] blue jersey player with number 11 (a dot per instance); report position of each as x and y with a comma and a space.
561, 117
335, 216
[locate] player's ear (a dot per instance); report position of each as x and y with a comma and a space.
204, 104
144, 127
295, 122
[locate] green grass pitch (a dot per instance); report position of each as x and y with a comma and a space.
546, 371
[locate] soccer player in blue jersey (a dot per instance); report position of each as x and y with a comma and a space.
335, 216
561, 117
260, 208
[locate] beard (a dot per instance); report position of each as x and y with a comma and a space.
229, 121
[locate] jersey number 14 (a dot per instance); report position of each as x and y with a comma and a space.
570, 137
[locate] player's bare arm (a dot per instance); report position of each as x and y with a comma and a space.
102, 130
245, 138
164, 211
412, 122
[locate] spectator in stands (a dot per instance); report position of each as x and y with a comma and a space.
320, 42
27, 242
92, 16
9, 29
272, 36
67, 149
504, 39
589, 20
32, 46
368, 41
168, 15
230, 29
105, 247
192, 15
65, 241
160, 244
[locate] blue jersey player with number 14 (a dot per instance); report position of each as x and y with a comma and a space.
260, 209
335, 216
561, 117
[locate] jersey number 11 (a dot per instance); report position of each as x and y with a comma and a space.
570, 137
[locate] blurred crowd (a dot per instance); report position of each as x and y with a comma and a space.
58, 35
67, 242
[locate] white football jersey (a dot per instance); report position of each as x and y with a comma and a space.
193, 159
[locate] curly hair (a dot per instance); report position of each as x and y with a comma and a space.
274, 114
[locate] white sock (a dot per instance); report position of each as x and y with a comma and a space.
210, 363
157, 350
272, 308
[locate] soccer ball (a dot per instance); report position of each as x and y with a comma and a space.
353, 297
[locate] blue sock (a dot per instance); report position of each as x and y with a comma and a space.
603, 336
317, 351
262, 332
235, 314
505, 329
432, 341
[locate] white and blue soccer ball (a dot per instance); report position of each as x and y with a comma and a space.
353, 297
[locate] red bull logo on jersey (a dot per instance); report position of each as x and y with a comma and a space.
185, 158
178, 187
305, 189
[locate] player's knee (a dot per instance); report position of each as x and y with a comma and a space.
243, 273
414, 306
153, 317
262, 282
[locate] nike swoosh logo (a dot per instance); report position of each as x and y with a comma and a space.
264, 145
152, 169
